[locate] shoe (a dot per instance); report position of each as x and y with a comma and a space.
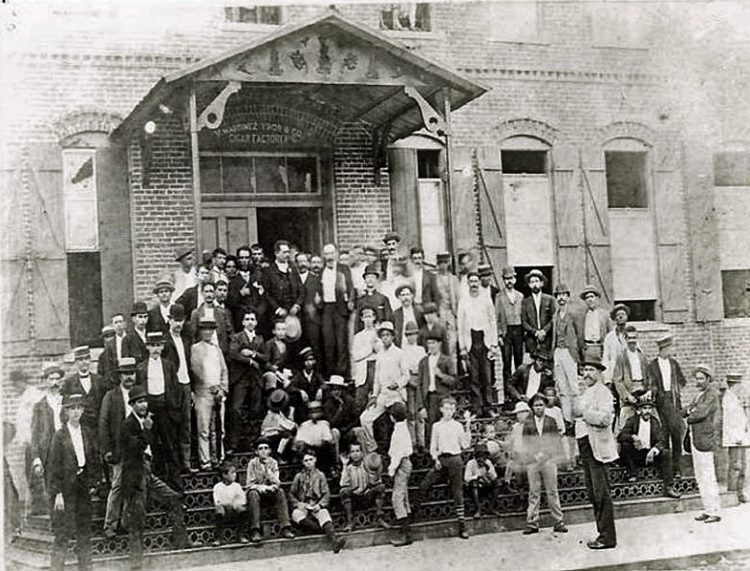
671, 493
462, 533
287, 533
712, 519
255, 536
205, 467
401, 541
596, 544
701, 517
742, 498
530, 530
677, 476
560, 528
109, 533
216, 543
348, 528
382, 524
477, 514
244, 540
632, 479
338, 544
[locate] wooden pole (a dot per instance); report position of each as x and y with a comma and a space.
448, 171
195, 152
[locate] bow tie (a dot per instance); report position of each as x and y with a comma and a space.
86, 376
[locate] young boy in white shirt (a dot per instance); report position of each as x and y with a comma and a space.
230, 505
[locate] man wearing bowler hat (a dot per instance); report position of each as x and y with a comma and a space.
159, 377
667, 381
74, 474
537, 311
597, 448
158, 316
593, 325
508, 303
372, 298
139, 484
115, 409
177, 347
134, 344
88, 384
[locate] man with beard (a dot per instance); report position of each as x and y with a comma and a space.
537, 311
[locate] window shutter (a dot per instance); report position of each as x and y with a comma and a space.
598, 254
463, 205
491, 208
571, 262
669, 226
402, 170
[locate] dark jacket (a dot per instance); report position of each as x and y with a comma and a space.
310, 287
398, 322
156, 321
546, 313
443, 386
133, 443
549, 443
344, 288
111, 419
702, 421
239, 303
106, 365
93, 399
299, 385
133, 346
63, 464
172, 391
275, 356
437, 329
657, 384
42, 431
429, 287
341, 412
242, 367
189, 299
520, 381
170, 351
566, 329
282, 289
622, 376
376, 301
633, 425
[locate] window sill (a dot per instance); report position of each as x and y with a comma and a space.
413, 34
632, 47
249, 27
736, 321
529, 42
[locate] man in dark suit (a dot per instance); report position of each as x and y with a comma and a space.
247, 362
642, 443
425, 284
666, 378
531, 378
282, 284
159, 378
305, 387
88, 384
114, 411
336, 293
158, 317
433, 327
537, 311
373, 299
208, 309
107, 362
138, 481
177, 347
246, 290
311, 322
436, 377
408, 312
134, 343
192, 297
74, 474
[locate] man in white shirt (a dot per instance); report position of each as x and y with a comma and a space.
615, 342
118, 323
629, 375
158, 316
185, 276
477, 339
736, 435
218, 261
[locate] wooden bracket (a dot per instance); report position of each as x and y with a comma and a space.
432, 120
213, 115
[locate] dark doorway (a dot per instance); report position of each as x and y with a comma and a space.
521, 279
85, 298
300, 226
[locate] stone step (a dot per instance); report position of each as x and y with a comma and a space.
22, 558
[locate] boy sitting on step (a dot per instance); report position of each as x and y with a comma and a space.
229, 503
480, 478
362, 483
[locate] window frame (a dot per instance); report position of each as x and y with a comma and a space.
645, 178
407, 32
253, 26
67, 196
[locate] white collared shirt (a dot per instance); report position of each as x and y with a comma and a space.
283, 267
55, 403
125, 398
147, 451
164, 312
636, 373
666, 373
155, 381
537, 297
539, 421
644, 434
85, 383
328, 281
432, 361
591, 326
141, 334
408, 316
535, 380
118, 345
418, 276
77, 438
182, 368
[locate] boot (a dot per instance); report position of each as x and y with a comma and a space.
379, 521
337, 543
462, 533
405, 537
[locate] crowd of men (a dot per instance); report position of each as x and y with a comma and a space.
347, 362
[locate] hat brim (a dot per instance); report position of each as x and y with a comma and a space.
594, 364
384, 329
47, 372
158, 289
542, 277
585, 292
127, 369
624, 308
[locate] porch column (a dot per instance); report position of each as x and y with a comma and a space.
195, 154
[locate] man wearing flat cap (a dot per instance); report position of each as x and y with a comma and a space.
667, 381
408, 312
509, 329
134, 344
593, 326
185, 276
74, 474
115, 409
537, 311
597, 448
158, 316
159, 377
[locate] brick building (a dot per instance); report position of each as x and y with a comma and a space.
597, 142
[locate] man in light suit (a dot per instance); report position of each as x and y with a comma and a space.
537, 311
597, 448
667, 382
630, 375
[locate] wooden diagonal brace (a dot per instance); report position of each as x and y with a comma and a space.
432, 120
213, 115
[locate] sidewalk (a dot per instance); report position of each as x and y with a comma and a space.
640, 539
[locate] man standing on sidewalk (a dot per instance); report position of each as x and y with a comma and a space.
597, 448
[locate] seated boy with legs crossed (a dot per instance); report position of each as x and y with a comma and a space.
362, 484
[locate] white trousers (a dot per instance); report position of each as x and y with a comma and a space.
566, 383
705, 473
